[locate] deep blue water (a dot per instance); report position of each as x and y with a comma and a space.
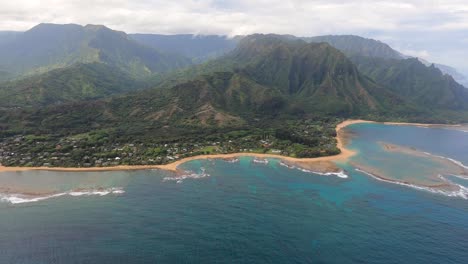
246, 213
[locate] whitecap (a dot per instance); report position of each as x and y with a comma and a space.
99, 192
340, 174
260, 161
187, 175
15, 198
234, 160
463, 177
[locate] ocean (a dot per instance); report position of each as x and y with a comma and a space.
246, 212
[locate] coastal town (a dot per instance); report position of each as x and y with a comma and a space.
98, 149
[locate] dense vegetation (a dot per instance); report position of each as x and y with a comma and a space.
74, 83
359, 47
271, 94
143, 145
413, 80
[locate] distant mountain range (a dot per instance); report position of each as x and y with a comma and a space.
459, 77
7, 36
49, 46
69, 84
199, 48
71, 79
358, 46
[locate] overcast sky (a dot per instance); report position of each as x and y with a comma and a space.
435, 30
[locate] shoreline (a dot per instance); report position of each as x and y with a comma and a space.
302, 162
419, 124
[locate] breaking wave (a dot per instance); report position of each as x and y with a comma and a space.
340, 174
234, 160
187, 175
462, 191
14, 198
260, 161
457, 162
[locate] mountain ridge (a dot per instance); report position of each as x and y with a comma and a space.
272, 93
69, 84
51, 46
199, 48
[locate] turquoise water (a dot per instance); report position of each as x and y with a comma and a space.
449, 142
242, 213
446, 149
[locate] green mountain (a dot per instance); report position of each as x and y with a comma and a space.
69, 84
197, 47
422, 85
445, 69
315, 76
272, 93
266, 77
51, 46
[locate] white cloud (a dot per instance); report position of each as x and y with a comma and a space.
422, 54
401, 22
298, 17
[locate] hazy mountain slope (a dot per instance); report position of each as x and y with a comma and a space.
73, 83
7, 36
457, 76
426, 86
354, 45
197, 47
50, 46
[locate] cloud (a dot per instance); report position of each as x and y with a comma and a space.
298, 17
403, 23
423, 54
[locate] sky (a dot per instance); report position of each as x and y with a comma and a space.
434, 30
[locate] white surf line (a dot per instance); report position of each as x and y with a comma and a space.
462, 192
340, 174
16, 198
459, 163
187, 175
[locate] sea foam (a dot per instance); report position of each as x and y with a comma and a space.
22, 198
260, 161
187, 175
456, 162
340, 174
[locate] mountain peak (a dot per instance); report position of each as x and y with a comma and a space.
95, 26
52, 46
50, 26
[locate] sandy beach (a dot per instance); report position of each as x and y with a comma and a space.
421, 124
320, 164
